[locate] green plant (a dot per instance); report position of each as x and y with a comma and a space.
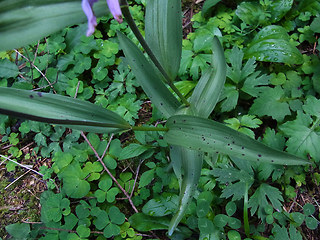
187, 119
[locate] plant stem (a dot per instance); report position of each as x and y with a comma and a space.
109, 173
126, 13
144, 128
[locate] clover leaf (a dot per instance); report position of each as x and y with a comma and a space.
105, 192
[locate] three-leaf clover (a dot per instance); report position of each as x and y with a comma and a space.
106, 191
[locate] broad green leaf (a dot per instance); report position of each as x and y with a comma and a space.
207, 92
164, 33
145, 223
116, 216
315, 25
83, 231
312, 106
272, 103
234, 223
298, 218
100, 195
294, 233
312, 223
192, 165
53, 207
161, 206
146, 178
210, 136
308, 209
238, 181
74, 183
199, 64
234, 235
148, 77
282, 233
252, 13
8, 69
259, 200
279, 8
185, 87
231, 208
239, 71
132, 150
266, 170
203, 207
18, 230
304, 137
272, 44
206, 226
208, 4
111, 230
70, 221
204, 39
311, 6
61, 160
111, 194
229, 97
23, 22
244, 123
220, 220
102, 218
57, 109
105, 183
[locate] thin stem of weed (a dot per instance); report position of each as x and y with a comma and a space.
126, 13
21, 165
109, 173
136, 178
42, 74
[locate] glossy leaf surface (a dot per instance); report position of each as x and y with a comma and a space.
250, 12
272, 44
207, 92
24, 21
210, 136
149, 78
57, 109
164, 33
279, 8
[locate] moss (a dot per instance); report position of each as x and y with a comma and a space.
17, 203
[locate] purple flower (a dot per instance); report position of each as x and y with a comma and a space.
114, 8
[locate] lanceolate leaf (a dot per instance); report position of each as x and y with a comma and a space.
210, 136
25, 21
57, 109
207, 92
192, 165
164, 33
176, 160
272, 44
149, 78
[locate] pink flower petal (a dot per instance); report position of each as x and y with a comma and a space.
92, 20
115, 9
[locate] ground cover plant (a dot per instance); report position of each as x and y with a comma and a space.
126, 185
